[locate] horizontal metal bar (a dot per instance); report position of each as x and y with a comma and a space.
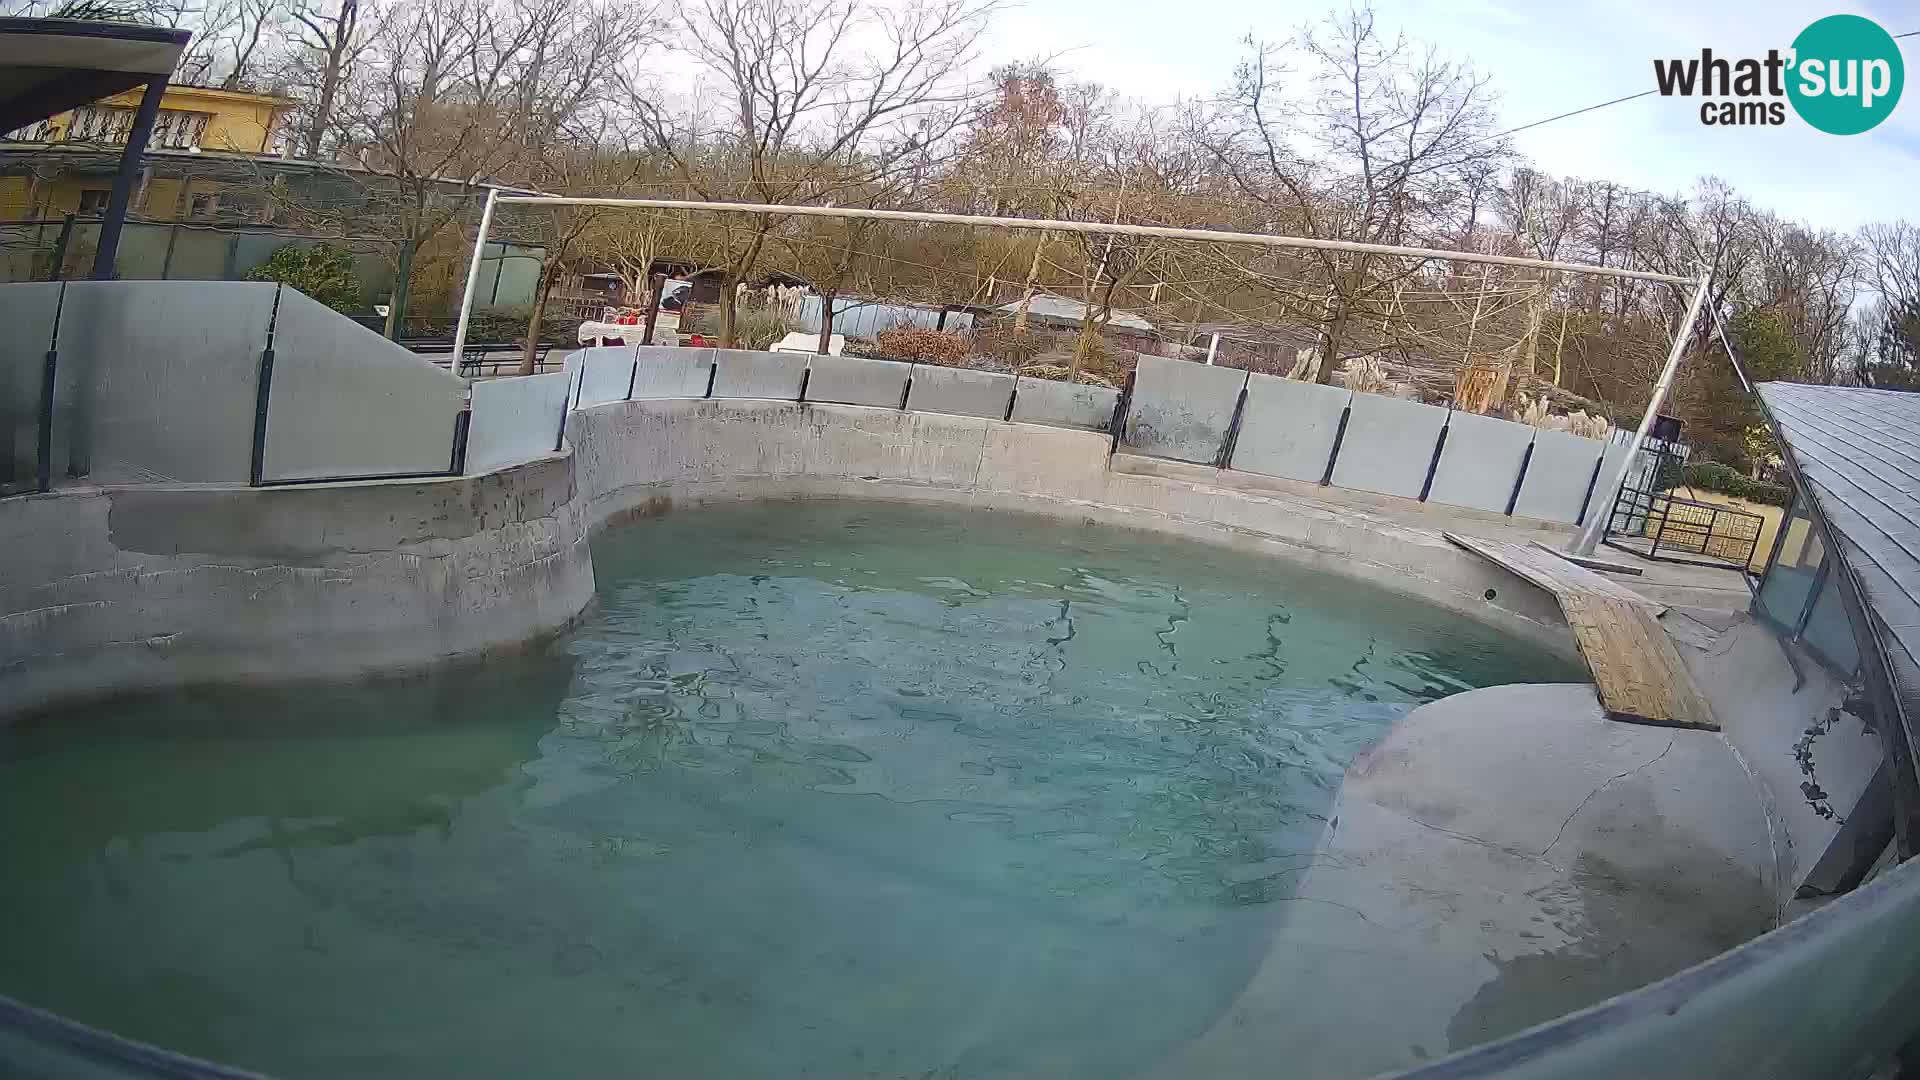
299, 480
1094, 227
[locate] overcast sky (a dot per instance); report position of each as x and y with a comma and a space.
1544, 59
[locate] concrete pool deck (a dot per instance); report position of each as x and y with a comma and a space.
1472, 884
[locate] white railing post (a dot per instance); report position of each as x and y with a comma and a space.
1600, 506
473, 279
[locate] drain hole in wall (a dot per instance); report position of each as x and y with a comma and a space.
1489, 594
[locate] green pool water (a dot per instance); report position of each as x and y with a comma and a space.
819, 789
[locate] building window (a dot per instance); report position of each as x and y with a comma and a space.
203, 206
100, 123
172, 129
176, 130
94, 200
38, 131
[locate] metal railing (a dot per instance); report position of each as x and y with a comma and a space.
1663, 526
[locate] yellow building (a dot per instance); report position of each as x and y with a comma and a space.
196, 124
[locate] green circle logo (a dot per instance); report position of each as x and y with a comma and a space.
1846, 75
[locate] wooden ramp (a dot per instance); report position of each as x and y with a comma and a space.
1639, 673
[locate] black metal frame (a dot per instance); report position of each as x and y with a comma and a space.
1796, 630
1658, 506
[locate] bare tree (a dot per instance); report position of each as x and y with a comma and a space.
1389, 132
228, 41
331, 38
811, 115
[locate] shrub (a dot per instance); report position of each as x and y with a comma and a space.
503, 324
753, 327
322, 271
1059, 373
1727, 480
1009, 346
922, 346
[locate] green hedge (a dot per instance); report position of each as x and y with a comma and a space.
1727, 480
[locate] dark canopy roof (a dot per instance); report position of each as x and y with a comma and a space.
48, 66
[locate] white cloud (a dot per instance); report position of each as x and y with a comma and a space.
1544, 59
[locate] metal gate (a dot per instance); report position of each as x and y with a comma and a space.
1661, 525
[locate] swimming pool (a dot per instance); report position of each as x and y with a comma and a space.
820, 788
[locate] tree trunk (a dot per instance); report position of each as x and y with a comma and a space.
1090, 326
1558, 347
1536, 313
826, 324
1083, 346
728, 293
659, 287
1026, 298
1331, 338
1479, 305
532, 344
330, 75
397, 302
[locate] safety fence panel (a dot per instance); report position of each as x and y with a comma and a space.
1289, 427
1558, 476
1480, 462
854, 380
27, 311
516, 419
1059, 404
1388, 446
960, 392
738, 373
159, 380
602, 374
344, 403
662, 371
1182, 410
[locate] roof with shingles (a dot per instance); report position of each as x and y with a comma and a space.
1858, 452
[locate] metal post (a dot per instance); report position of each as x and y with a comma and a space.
473, 279
1594, 529
1207, 236
108, 250
1213, 346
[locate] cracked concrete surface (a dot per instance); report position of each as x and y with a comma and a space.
1502, 857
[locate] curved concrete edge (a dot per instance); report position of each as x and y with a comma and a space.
117, 590
649, 456
139, 588
1502, 857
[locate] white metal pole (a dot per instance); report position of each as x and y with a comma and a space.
1209, 236
473, 279
1213, 346
1600, 507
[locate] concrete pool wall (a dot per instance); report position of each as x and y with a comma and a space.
116, 590
145, 587
121, 589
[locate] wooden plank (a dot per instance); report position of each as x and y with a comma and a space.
1550, 571
1637, 670
1639, 673
1592, 563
